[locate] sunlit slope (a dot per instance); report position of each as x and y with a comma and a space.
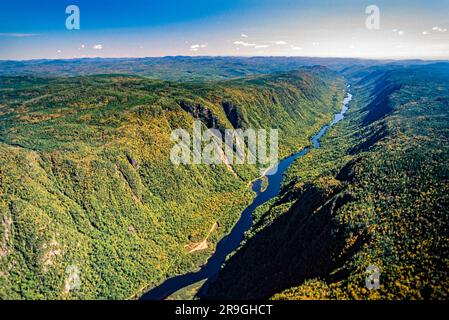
87, 189
375, 194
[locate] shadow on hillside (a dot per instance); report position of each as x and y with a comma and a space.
302, 243
381, 105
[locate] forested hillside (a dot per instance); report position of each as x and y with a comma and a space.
167, 68
180, 68
87, 186
376, 193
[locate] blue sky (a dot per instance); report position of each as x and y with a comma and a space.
408, 28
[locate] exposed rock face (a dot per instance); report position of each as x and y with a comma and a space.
202, 113
231, 112
132, 162
6, 223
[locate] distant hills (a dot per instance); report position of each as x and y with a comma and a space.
182, 68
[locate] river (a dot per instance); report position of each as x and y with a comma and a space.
231, 242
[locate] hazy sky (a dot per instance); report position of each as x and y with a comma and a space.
108, 28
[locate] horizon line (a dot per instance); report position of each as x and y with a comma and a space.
229, 56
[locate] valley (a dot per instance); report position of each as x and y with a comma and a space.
375, 193
86, 181
231, 241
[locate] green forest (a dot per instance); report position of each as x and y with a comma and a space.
375, 194
91, 207
86, 181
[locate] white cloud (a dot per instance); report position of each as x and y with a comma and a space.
295, 48
400, 32
280, 43
315, 44
18, 35
58, 51
439, 29
83, 46
196, 47
434, 29
97, 47
245, 44
244, 35
261, 46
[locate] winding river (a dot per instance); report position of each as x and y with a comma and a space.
230, 242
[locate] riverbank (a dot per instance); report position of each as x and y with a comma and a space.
230, 242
